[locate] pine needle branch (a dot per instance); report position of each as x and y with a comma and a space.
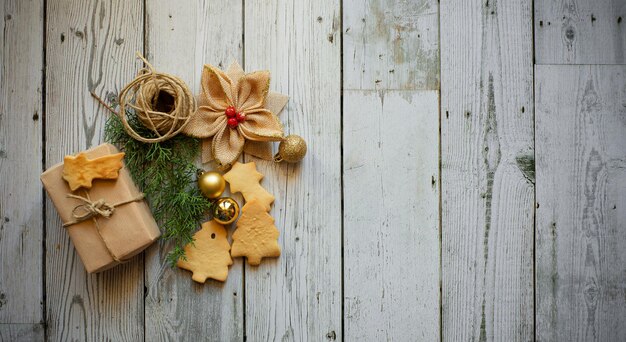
165, 172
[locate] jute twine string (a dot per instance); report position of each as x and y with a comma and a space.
92, 210
143, 95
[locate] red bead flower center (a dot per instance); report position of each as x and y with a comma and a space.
234, 117
231, 112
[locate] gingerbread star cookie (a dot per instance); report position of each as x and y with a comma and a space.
208, 256
256, 236
79, 171
245, 178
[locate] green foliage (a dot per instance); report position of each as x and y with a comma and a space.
166, 174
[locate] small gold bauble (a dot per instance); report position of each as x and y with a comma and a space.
211, 184
225, 211
291, 150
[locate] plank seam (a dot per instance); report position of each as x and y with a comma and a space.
341, 111
43, 168
534, 253
145, 288
581, 64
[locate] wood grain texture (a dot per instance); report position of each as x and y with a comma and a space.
90, 47
391, 215
176, 307
21, 220
581, 177
297, 297
580, 31
487, 170
26, 332
391, 44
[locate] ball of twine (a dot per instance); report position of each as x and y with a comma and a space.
162, 102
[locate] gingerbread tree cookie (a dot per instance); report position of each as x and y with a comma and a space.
245, 178
256, 236
79, 171
208, 256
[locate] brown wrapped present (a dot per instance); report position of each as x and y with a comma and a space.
109, 223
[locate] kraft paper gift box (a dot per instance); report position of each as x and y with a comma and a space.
104, 242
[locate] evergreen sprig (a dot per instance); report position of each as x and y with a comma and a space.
166, 174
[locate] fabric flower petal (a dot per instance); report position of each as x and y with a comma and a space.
275, 102
235, 72
217, 92
261, 125
207, 153
204, 123
259, 149
251, 91
227, 145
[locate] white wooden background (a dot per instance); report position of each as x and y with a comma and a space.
465, 181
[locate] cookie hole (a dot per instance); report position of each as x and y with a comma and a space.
213, 236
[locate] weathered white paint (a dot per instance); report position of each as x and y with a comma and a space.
487, 170
297, 297
580, 31
487, 200
21, 332
181, 38
90, 46
391, 44
581, 178
391, 215
391, 170
21, 219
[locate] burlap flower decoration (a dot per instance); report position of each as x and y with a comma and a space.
236, 112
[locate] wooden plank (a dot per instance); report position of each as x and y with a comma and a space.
90, 46
297, 297
580, 32
21, 218
26, 332
391, 44
391, 215
181, 38
487, 170
581, 177
391, 47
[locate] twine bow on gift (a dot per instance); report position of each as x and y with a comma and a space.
93, 209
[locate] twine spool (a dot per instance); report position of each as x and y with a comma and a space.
162, 102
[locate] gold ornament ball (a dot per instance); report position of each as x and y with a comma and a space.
291, 150
226, 210
211, 184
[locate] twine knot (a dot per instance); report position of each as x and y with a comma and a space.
90, 209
